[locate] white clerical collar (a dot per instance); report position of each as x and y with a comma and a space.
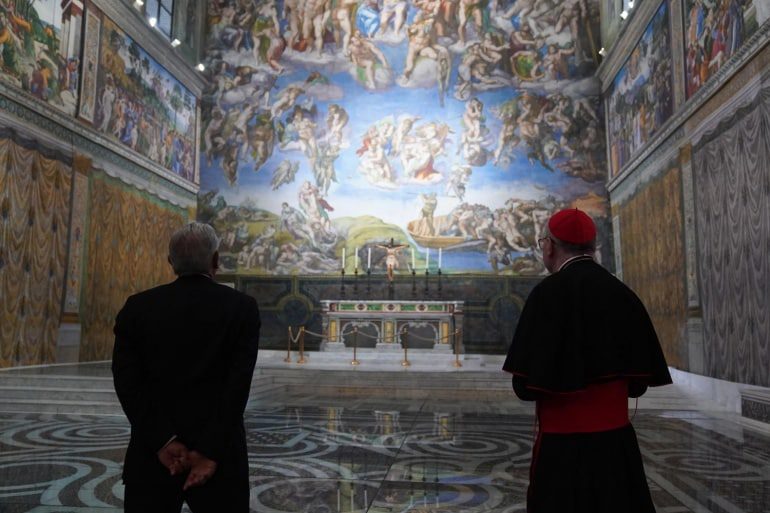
574, 259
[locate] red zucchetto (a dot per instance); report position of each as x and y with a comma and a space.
572, 226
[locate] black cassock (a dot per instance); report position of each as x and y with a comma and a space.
583, 329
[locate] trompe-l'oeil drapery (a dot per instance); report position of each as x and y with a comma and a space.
34, 216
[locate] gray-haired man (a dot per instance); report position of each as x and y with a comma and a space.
183, 360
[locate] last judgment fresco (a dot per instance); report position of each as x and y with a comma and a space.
453, 127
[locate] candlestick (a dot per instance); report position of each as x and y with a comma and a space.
356, 258
343, 258
427, 258
369, 259
439, 258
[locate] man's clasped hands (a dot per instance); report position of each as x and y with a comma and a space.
177, 458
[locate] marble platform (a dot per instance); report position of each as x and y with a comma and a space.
325, 441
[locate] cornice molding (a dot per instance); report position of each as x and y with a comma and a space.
47, 124
133, 23
628, 36
757, 41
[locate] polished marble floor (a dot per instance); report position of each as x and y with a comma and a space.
354, 453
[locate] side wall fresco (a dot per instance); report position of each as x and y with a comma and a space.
35, 185
452, 127
732, 192
128, 97
652, 241
40, 49
127, 245
641, 98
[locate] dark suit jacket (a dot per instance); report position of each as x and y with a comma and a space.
182, 364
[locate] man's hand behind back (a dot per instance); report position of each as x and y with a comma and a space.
201, 470
174, 456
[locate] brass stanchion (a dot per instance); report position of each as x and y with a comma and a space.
354, 361
288, 347
404, 341
301, 345
457, 349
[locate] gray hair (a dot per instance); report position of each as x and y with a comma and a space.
192, 248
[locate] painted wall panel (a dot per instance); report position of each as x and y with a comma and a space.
455, 127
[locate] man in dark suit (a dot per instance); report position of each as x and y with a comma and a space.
182, 364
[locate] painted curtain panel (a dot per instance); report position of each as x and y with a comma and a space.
652, 235
128, 236
455, 127
35, 188
40, 49
714, 31
136, 101
731, 168
641, 96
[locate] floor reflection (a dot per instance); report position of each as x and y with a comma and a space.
309, 453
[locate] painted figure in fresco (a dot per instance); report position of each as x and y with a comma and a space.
323, 166
336, 120
284, 173
292, 14
316, 14
429, 204
461, 175
286, 100
554, 63
295, 223
391, 260
469, 9
344, 12
474, 134
395, 10
106, 103
266, 36
405, 124
366, 57
315, 207
574, 13
422, 44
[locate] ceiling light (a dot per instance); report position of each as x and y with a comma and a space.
624, 14
200, 66
630, 4
176, 42
602, 52
154, 20
138, 3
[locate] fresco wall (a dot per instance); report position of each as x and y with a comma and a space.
35, 186
714, 31
731, 170
640, 99
127, 245
128, 97
652, 241
40, 49
451, 127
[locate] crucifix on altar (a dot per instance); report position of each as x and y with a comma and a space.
391, 261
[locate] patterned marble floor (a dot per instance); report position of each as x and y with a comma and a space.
324, 454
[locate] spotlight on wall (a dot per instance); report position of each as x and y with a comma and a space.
138, 3
200, 66
630, 4
624, 14
603, 52
153, 21
175, 42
